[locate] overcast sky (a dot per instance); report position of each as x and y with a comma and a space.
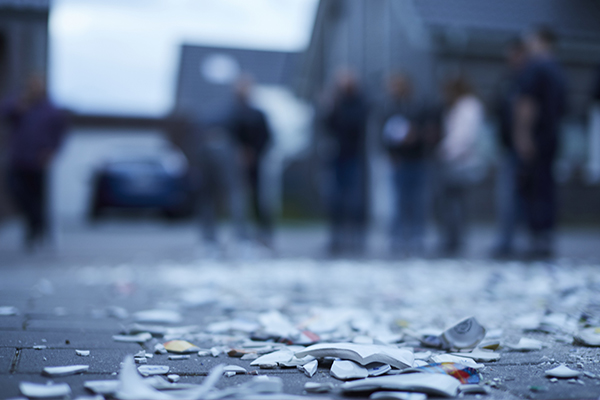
121, 56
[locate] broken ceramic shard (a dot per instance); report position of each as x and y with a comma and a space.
173, 378
588, 337
422, 355
82, 353
526, 344
562, 371
148, 370
460, 372
66, 370
345, 370
434, 384
448, 358
493, 344
158, 316
178, 357
106, 387
464, 335
309, 368
280, 356
276, 324
139, 338
133, 386
239, 353
37, 390
239, 325
181, 346
295, 361
160, 349
376, 369
316, 387
7, 311
398, 396
216, 351
117, 312
473, 389
361, 353
480, 355
236, 369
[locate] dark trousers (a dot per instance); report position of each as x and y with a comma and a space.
261, 212
508, 200
410, 182
538, 191
347, 205
28, 190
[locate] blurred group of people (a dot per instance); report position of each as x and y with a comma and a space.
434, 154
432, 147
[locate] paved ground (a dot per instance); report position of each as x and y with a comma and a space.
66, 301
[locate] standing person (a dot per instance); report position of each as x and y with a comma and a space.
252, 134
594, 132
508, 202
346, 122
406, 139
218, 174
540, 105
37, 128
458, 161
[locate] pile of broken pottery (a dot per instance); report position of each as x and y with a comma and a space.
388, 346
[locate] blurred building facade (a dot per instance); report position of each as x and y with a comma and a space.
430, 40
23, 51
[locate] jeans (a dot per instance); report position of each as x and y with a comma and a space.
347, 205
508, 201
28, 190
451, 202
410, 183
538, 190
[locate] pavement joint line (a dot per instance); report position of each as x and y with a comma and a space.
15, 361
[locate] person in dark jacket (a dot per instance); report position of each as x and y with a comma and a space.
540, 106
36, 131
508, 202
252, 134
346, 122
407, 137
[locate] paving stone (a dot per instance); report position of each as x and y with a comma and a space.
58, 340
99, 360
6, 357
74, 324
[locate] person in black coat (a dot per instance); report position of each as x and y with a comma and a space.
252, 134
346, 123
540, 106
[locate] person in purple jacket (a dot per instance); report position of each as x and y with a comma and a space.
36, 128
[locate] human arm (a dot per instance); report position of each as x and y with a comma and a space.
525, 113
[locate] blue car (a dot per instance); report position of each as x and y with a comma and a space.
157, 179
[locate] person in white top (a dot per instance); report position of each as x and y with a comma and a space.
458, 160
